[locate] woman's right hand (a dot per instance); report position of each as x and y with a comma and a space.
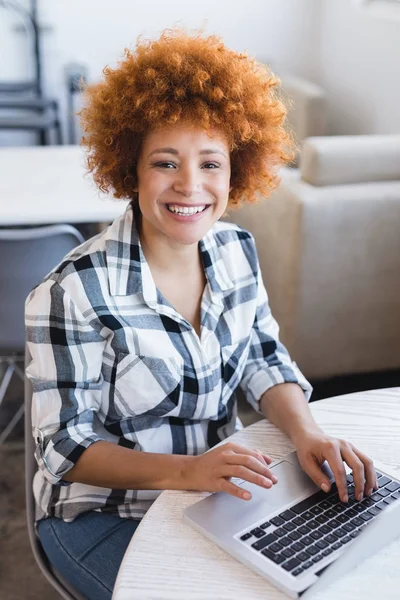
211, 472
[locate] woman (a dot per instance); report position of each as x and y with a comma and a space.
141, 337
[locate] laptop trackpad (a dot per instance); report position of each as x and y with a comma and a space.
292, 483
223, 515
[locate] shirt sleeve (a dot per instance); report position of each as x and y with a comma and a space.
268, 363
66, 376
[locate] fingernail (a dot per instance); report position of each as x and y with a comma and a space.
247, 496
369, 492
274, 479
345, 498
325, 488
360, 496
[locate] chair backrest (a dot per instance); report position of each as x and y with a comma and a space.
27, 20
54, 578
27, 255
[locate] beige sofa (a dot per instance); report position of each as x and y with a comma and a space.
307, 106
329, 247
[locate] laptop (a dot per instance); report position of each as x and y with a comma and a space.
295, 535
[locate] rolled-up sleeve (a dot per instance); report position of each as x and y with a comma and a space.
268, 363
66, 376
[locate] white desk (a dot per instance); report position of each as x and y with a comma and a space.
168, 560
49, 184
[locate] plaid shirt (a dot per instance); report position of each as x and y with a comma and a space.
113, 360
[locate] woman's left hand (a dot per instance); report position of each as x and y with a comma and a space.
314, 447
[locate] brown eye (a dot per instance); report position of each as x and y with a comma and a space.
164, 165
211, 165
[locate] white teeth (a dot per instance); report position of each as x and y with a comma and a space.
185, 210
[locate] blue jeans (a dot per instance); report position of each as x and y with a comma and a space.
88, 551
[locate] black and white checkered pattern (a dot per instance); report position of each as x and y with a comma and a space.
113, 360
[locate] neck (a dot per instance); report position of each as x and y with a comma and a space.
166, 255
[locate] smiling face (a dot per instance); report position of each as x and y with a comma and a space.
183, 183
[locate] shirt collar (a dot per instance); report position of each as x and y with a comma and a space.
215, 263
129, 272
123, 255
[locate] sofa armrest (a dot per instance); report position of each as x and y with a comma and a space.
343, 159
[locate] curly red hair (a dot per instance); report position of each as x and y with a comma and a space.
196, 78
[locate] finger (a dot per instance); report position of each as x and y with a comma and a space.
371, 481
357, 468
267, 458
313, 469
246, 474
240, 450
234, 490
335, 460
253, 463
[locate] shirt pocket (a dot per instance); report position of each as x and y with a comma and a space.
148, 385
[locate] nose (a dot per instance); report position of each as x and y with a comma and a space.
188, 181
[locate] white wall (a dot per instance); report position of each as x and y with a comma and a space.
360, 68
95, 33
352, 53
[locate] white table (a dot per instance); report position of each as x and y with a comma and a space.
49, 184
168, 560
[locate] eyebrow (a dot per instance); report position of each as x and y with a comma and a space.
168, 150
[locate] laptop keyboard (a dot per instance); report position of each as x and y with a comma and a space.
316, 527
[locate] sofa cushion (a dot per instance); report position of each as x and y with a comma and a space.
350, 159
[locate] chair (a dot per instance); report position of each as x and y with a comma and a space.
51, 574
27, 255
31, 110
40, 122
